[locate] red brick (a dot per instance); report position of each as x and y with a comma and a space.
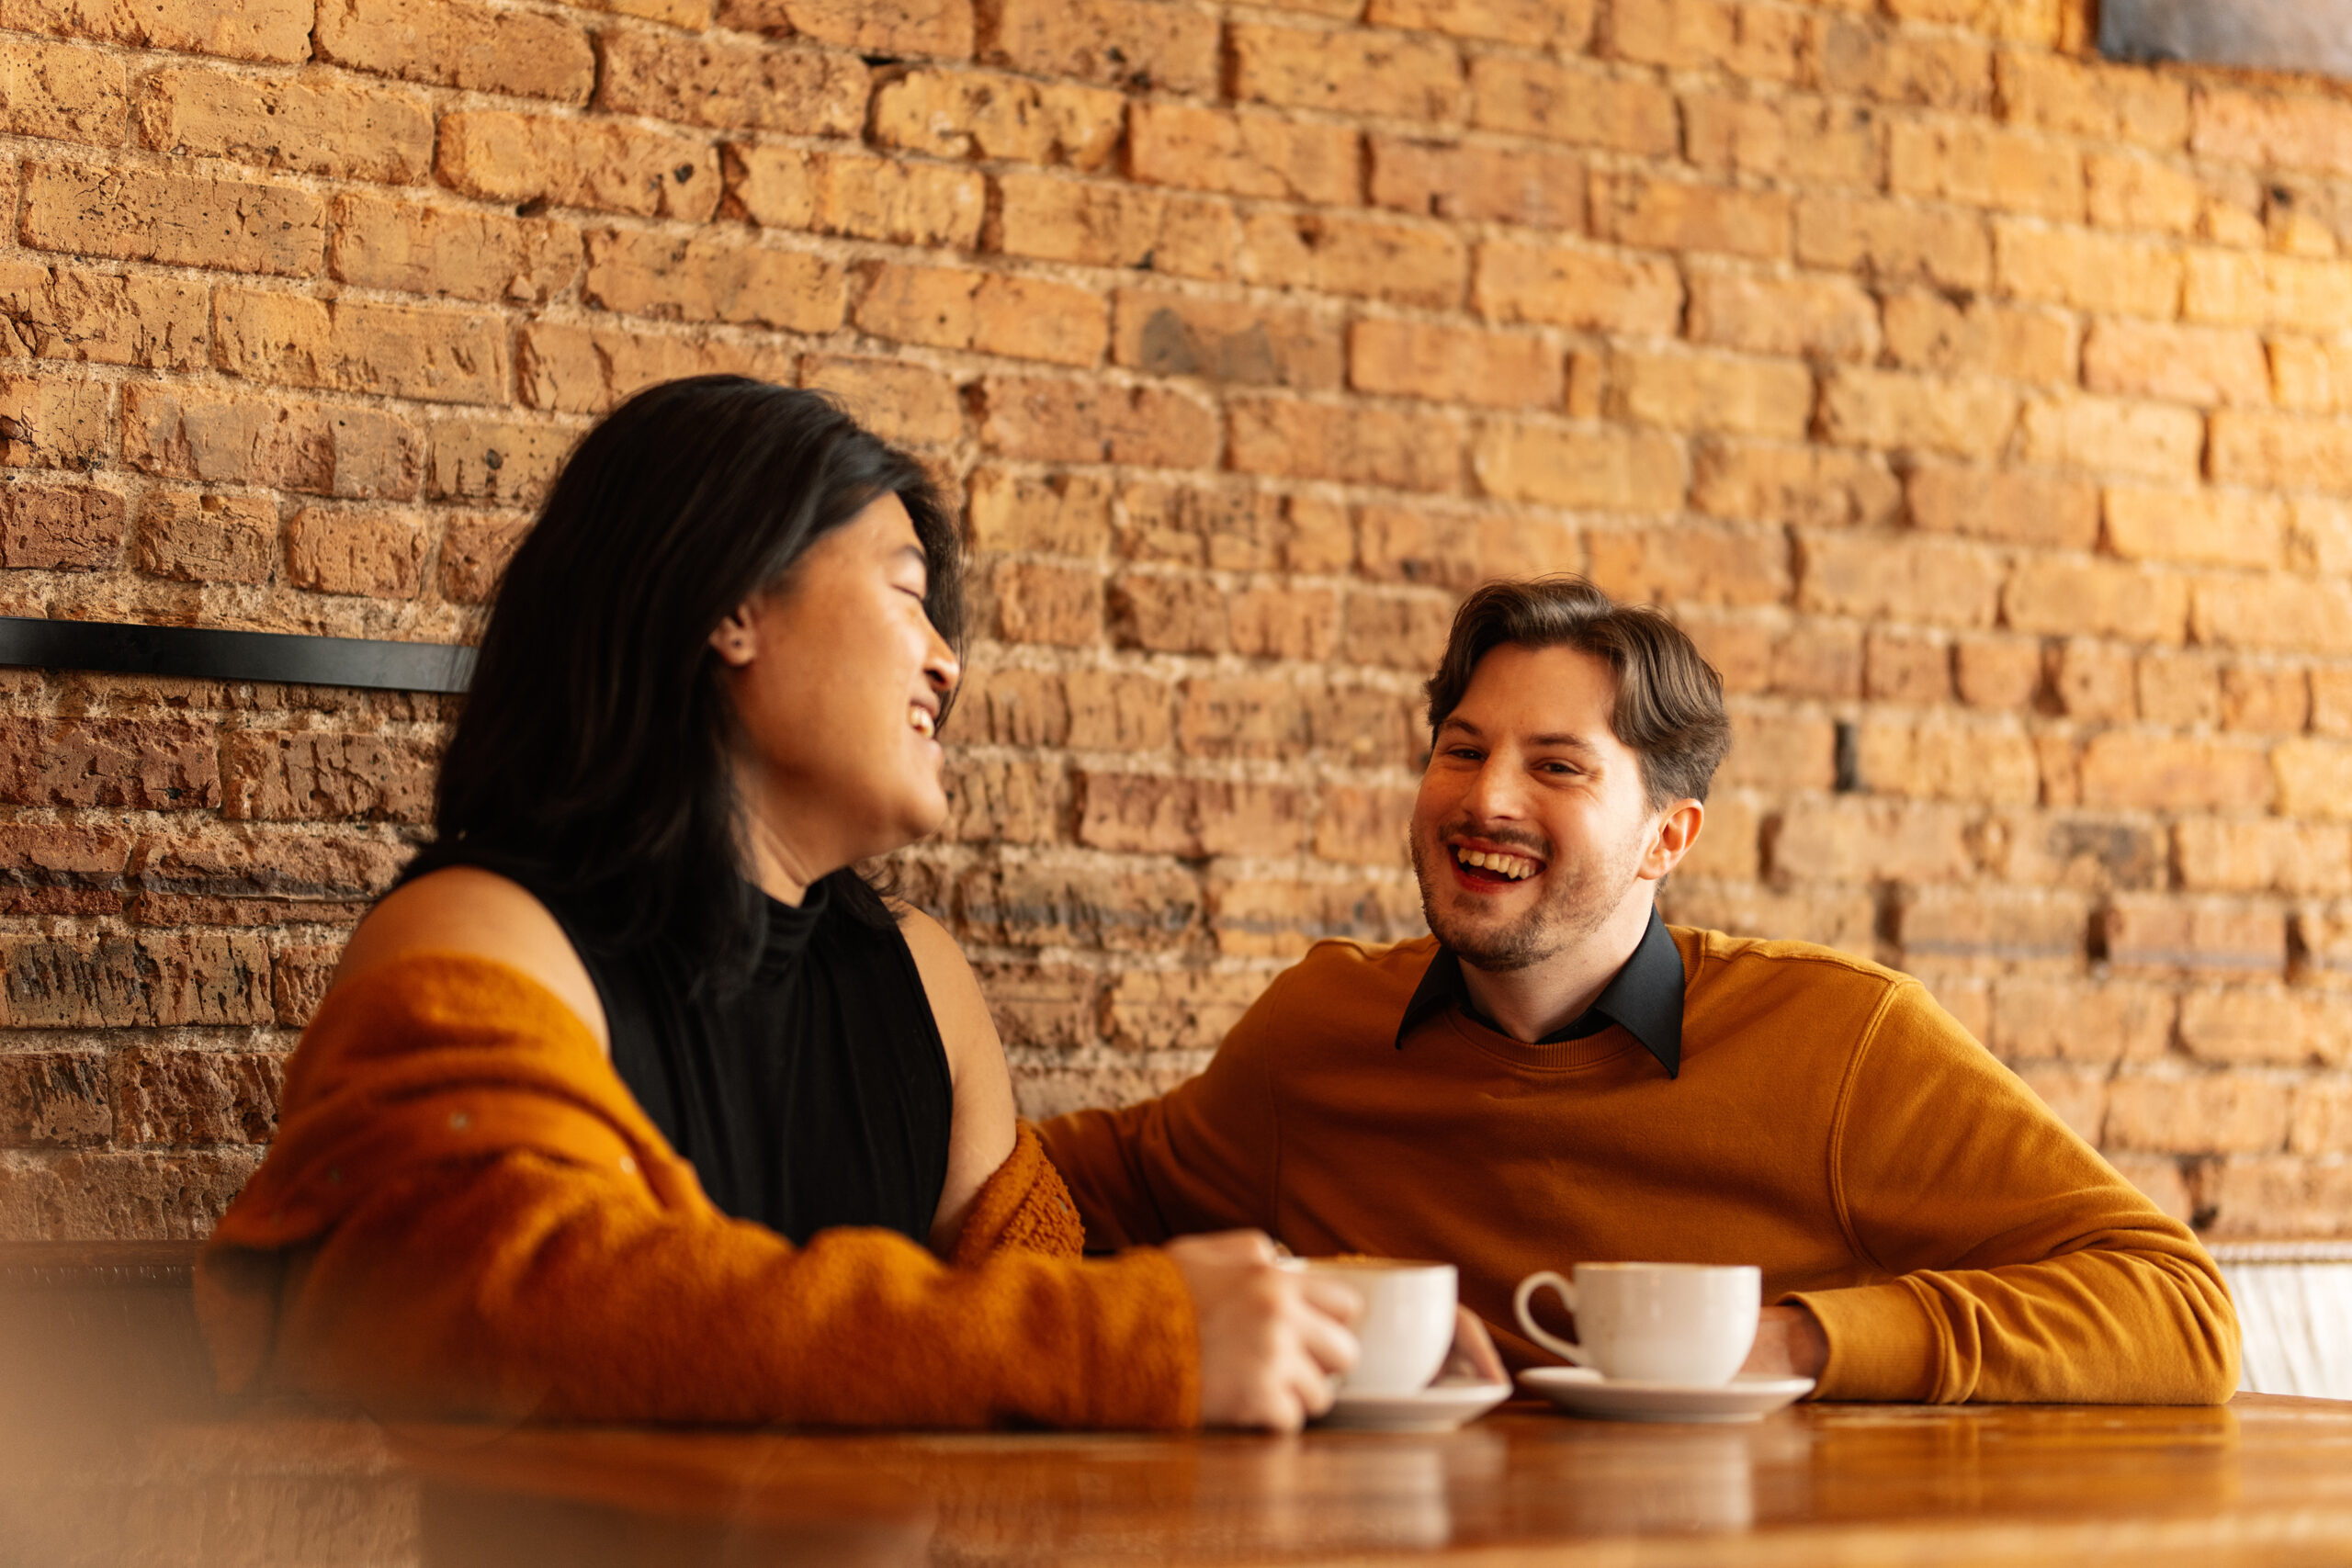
984, 113
1677, 564
1977, 165
1684, 391
342, 128
713, 276
2086, 270
1454, 364
1967, 416
731, 82
55, 312
53, 1100
455, 43
1870, 840
1193, 525
2294, 613
2004, 504
1905, 667
493, 461
1078, 421
1361, 444
2157, 773
1929, 331
2179, 690
2189, 365
1065, 515
1053, 219
1804, 316
1254, 717
2272, 129
1159, 1010
1158, 815
1407, 263
1563, 24
1274, 621
606, 165
2092, 99
2281, 451
53, 527
1748, 41
1351, 71
910, 404
1003, 800
1038, 602
194, 1097
1396, 630
2250, 1196
898, 26
196, 433
856, 194
352, 345
1519, 281
1364, 826
1281, 918
1838, 918
2094, 682
1675, 215
276, 30
2159, 934
1991, 929
1014, 314
1868, 58
2129, 191
474, 552
1475, 180
1814, 659
1926, 580
1572, 103
2235, 288
1811, 140
106, 1194
1883, 241
142, 981
2055, 595
415, 249
2209, 1113
1998, 672
1562, 465
2262, 855
2111, 435
2260, 698
377, 554
1365, 727
2099, 1022
2314, 778
1805, 485
61, 869
1777, 752
2323, 1119
206, 539
2202, 526
1130, 42
307, 775
589, 369
137, 215
133, 765
1162, 332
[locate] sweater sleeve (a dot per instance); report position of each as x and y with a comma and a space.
462, 1217
2024, 1268
1200, 1157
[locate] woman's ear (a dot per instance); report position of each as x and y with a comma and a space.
737, 638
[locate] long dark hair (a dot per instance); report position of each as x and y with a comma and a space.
592, 761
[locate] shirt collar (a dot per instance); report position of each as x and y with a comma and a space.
1645, 997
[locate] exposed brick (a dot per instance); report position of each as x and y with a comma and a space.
1228, 529
1997, 673
1157, 1009
1778, 752
1812, 140
1750, 42
1398, 631
1082, 422
54, 1099
855, 194
1929, 331
2179, 690
1677, 564
1364, 826
984, 113
1393, 74
1576, 104
2094, 683
1130, 42
1840, 918
906, 404
1968, 416
1009, 313
194, 1097
2260, 698
137, 215
2159, 934
604, 165
2189, 365
2125, 190
456, 43
1359, 444
1868, 58
735, 84
1530, 24
1683, 391
62, 869
2313, 776
2281, 451
2310, 375
2272, 129
576, 369
2262, 855
1806, 315
53, 527
1977, 165
1902, 666
198, 537
1454, 364
377, 554
63, 93
415, 249
1995, 504
198, 433
1661, 214
1559, 465
360, 346
1928, 580
493, 461
277, 30
1053, 219
1883, 240
1162, 332
1275, 918
2250, 1196
1807, 485
2274, 610
942, 28
713, 276
328, 126
2207, 1113
307, 775
2055, 594
2111, 435
1005, 800
1519, 281
136, 981
2065, 1019
2323, 1119
1475, 180
57, 312
1154, 814
2201, 525
2092, 99
106, 1194
1407, 263
474, 552
2238, 288
1257, 716
1040, 601
1852, 840
1276, 621
1990, 929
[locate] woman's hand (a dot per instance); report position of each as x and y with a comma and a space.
1473, 1358
1273, 1341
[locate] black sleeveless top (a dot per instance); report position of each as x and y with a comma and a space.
815, 1094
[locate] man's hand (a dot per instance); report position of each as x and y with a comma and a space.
1473, 1358
1789, 1344
1273, 1341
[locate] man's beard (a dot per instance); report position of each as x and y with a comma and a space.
1578, 901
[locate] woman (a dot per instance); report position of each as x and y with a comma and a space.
633, 1102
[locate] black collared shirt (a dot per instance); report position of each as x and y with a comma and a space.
1645, 996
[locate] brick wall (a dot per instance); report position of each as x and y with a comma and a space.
1977, 404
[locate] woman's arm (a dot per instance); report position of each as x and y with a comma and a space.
465, 909
982, 1135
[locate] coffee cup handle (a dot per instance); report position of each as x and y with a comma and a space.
1527, 1288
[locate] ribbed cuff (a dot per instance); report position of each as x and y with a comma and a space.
1882, 1343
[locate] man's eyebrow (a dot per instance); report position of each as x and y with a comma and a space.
1450, 722
1563, 742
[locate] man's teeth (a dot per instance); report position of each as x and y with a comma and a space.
919, 719
1516, 867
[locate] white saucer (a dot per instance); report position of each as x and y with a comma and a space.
1441, 1407
1583, 1392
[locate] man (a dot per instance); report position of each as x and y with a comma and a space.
1557, 1075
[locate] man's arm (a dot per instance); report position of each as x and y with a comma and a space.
2028, 1269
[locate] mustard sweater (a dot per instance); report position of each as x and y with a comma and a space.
1831, 1125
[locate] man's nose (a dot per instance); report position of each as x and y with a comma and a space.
1496, 794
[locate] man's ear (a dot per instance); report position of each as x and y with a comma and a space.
1676, 831
737, 638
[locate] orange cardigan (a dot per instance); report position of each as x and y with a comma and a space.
465, 1213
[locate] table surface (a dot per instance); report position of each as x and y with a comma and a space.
2263, 1479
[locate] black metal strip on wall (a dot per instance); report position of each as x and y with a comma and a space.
118, 647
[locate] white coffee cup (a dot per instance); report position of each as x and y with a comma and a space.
1680, 1323
1407, 1323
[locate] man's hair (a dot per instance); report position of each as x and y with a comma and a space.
1669, 709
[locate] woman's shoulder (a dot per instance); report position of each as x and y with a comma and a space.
469, 909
